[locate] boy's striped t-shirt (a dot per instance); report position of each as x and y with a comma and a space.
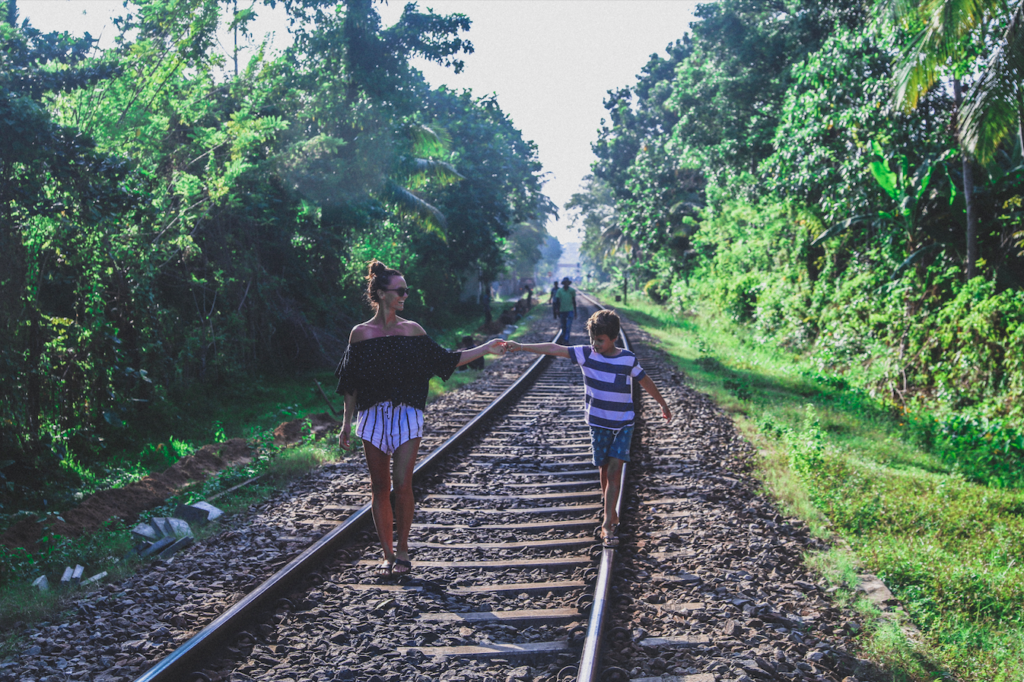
609, 385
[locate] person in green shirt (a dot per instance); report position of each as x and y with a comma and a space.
566, 300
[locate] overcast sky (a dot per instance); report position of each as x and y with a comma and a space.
550, 62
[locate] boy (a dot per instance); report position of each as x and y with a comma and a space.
608, 372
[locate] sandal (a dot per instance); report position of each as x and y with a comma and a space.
611, 538
404, 564
385, 569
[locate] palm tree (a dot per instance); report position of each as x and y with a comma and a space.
618, 250
993, 106
416, 169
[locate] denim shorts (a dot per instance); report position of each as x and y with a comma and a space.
608, 443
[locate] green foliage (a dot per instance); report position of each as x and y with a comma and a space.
593, 214
831, 114
805, 211
170, 233
987, 451
953, 39
959, 341
655, 290
824, 220
758, 265
168, 230
947, 544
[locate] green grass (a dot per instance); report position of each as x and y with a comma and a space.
949, 547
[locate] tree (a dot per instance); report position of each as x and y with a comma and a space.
591, 211
947, 37
550, 254
654, 194
631, 125
502, 186
950, 31
169, 223
728, 93
830, 119
54, 187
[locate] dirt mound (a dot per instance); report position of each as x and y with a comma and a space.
24, 533
290, 433
133, 499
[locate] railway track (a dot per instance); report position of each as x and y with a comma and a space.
508, 577
710, 583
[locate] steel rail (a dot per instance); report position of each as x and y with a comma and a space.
591, 658
183, 661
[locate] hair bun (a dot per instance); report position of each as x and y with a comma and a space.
377, 269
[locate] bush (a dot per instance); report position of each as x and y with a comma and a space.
740, 297
972, 348
983, 450
655, 290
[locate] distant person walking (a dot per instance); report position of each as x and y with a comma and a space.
608, 373
551, 301
384, 375
565, 299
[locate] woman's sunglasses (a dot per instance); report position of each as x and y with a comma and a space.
402, 291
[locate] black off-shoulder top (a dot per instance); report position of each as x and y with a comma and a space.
393, 368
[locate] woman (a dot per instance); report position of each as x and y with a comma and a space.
384, 375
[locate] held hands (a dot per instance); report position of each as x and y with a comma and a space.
496, 347
513, 347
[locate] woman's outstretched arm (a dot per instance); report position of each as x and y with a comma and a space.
492, 347
539, 348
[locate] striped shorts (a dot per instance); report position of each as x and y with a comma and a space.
387, 426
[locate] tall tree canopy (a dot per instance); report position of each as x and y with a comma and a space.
172, 219
837, 175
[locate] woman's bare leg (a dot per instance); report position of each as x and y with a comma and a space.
404, 463
380, 488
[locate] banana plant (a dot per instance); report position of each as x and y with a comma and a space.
909, 190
